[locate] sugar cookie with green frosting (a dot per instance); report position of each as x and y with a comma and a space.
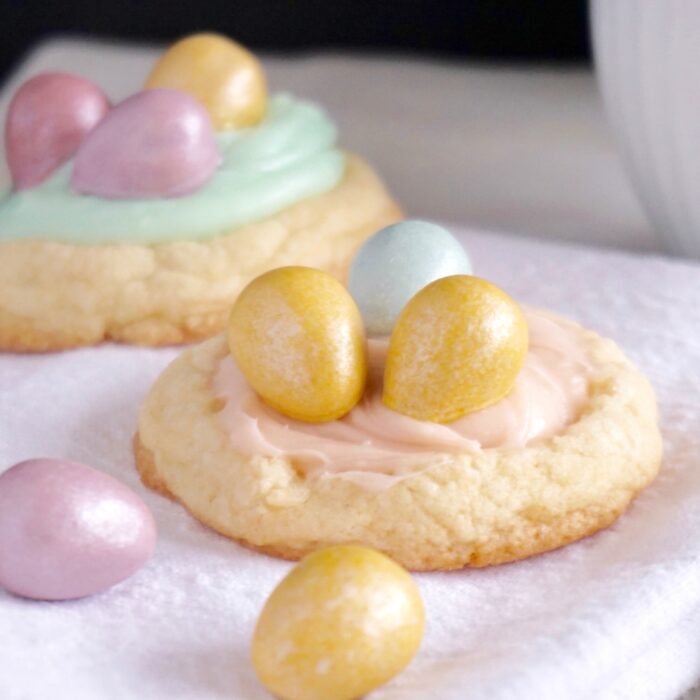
117, 242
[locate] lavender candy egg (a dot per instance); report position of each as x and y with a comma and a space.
68, 531
157, 143
395, 264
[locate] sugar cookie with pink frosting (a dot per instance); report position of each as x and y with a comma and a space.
140, 222
556, 451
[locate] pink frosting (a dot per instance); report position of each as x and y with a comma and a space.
373, 440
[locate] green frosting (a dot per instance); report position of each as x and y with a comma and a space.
288, 157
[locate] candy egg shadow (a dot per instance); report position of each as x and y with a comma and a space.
119, 593
219, 671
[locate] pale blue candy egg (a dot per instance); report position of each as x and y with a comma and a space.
396, 263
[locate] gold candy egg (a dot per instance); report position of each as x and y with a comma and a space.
225, 77
457, 347
297, 336
345, 620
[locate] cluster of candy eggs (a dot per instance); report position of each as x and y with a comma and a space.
456, 345
157, 143
456, 342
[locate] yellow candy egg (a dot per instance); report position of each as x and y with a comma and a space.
457, 347
345, 620
226, 78
297, 336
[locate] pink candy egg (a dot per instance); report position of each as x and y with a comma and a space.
157, 143
67, 530
47, 119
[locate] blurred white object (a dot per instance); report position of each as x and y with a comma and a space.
647, 59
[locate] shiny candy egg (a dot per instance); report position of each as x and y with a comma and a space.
396, 263
225, 77
457, 347
157, 143
297, 336
47, 119
68, 531
345, 620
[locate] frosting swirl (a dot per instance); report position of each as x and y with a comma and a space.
288, 157
374, 441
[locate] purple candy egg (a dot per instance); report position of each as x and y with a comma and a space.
157, 143
68, 530
47, 119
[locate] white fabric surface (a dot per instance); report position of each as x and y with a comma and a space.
615, 616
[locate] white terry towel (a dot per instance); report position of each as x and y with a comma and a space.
614, 616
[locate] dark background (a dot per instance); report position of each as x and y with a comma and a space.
524, 30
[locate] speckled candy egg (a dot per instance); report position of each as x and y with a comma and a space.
397, 262
345, 620
156, 143
67, 530
226, 78
457, 347
297, 336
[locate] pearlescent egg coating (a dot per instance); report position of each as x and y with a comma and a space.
297, 336
457, 348
67, 530
47, 119
397, 262
345, 620
156, 143
225, 77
